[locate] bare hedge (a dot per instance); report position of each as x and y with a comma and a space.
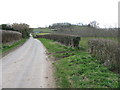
10, 36
108, 51
68, 40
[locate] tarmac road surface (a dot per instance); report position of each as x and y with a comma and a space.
27, 67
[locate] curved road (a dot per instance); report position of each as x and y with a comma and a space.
27, 67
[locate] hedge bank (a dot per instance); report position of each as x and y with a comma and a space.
10, 36
107, 51
68, 40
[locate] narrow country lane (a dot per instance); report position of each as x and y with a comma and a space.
27, 67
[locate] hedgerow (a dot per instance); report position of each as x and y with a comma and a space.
78, 69
10, 36
107, 51
68, 40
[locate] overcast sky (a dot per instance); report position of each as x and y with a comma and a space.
39, 13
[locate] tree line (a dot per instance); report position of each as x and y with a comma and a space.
94, 24
23, 28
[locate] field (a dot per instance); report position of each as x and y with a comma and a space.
85, 31
43, 30
76, 68
40, 34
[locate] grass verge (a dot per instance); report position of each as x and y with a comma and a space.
6, 48
78, 69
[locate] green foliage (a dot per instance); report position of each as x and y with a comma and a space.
6, 27
84, 72
59, 51
76, 69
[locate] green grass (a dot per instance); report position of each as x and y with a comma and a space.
42, 33
6, 48
78, 69
84, 71
34, 34
59, 51
45, 30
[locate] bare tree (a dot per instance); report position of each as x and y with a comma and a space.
94, 24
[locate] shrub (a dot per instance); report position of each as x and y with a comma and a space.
107, 51
6, 27
22, 28
68, 40
10, 36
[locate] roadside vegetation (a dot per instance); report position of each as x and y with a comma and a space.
10, 36
76, 68
13, 35
68, 40
84, 41
23, 28
4, 48
86, 56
